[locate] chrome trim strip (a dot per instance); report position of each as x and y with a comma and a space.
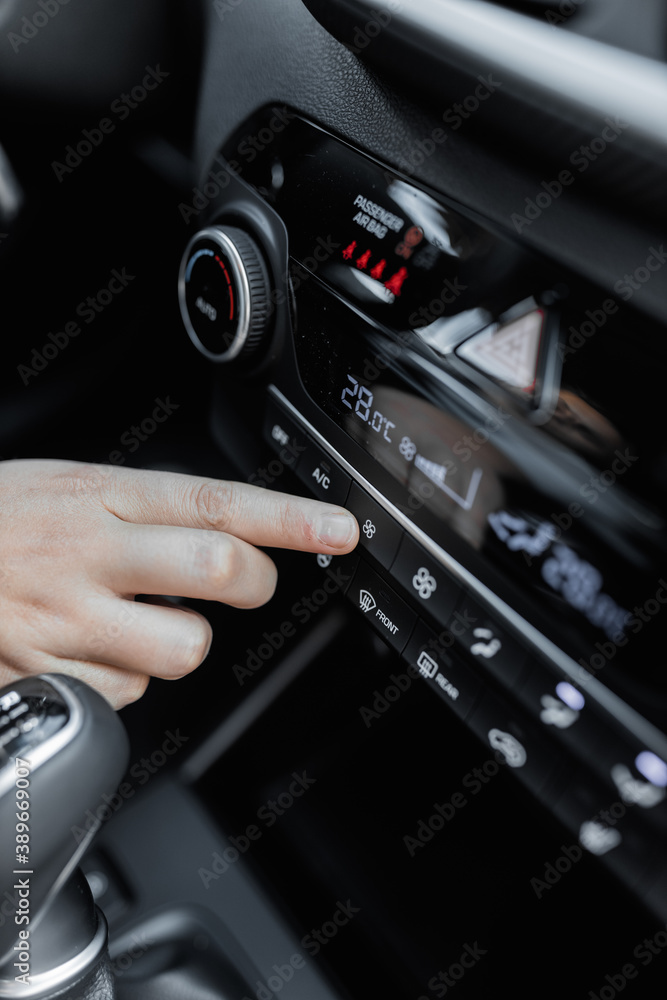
640, 728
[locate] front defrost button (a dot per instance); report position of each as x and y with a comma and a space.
382, 607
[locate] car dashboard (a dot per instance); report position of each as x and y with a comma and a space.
405, 257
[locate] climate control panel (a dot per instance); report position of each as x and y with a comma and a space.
579, 749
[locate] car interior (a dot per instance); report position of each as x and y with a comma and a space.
408, 257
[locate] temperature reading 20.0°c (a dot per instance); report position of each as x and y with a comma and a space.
363, 407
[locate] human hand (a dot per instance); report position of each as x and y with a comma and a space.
78, 542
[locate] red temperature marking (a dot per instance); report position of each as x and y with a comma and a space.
378, 270
348, 251
229, 286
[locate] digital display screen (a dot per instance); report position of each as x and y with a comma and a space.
423, 449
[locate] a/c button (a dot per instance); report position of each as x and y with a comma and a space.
322, 476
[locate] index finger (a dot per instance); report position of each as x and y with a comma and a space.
257, 515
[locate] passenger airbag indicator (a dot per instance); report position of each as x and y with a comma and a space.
393, 251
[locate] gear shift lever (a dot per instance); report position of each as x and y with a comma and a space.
61, 748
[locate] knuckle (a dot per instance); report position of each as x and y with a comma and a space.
293, 522
213, 504
82, 478
220, 563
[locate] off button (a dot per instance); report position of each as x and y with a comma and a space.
322, 476
391, 617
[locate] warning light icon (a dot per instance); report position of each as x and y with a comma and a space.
509, 353
396, 282
362, 263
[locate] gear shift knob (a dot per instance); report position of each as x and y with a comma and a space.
62, 747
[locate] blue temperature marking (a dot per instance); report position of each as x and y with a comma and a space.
193, 261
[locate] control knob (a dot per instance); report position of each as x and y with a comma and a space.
223, 291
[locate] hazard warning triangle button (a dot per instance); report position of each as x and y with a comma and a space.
509, 353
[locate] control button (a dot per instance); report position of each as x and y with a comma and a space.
516, 743
425, 580
382, 607
487, 642
637, 785
565, 710
284, 436
636, 791
509, 747
652, 767
604, 825
449, 675
379, 533
627, 770
321, 475
509, 353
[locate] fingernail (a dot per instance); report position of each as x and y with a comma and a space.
335, 529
